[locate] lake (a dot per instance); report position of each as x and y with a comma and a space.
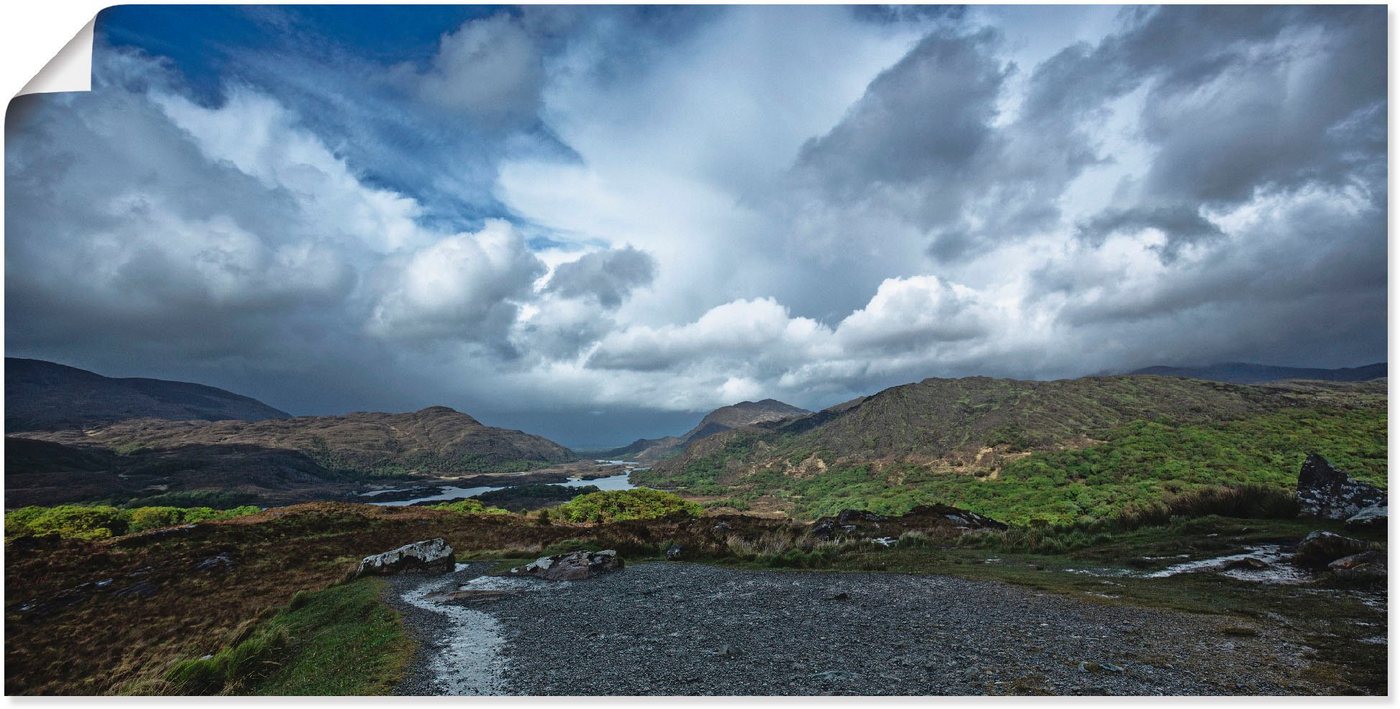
451, 492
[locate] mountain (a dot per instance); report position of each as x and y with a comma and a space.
43, 396
912, 439
435, 440
1246, 373
46, 473
744, 413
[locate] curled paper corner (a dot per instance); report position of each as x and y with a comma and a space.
69, 70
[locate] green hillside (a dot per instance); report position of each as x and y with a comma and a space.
1060, 452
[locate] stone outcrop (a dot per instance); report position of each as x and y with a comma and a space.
1366, 565
924, 518
573, 566
428, 556
1373, 517
1319, 549
1328, 493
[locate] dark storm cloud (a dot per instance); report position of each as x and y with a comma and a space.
1243, 103
605, 276
1180, 225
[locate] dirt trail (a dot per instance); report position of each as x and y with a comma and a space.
673, 628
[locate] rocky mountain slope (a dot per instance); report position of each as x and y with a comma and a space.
725, 418
43, 396
1246, 373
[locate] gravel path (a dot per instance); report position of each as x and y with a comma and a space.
677, 628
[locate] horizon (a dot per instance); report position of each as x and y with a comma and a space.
598, 223
654, 432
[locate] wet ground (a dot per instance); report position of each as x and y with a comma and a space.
678, 628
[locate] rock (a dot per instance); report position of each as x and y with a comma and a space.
849, 517
1319, 549
721, 527
1373, 517
842, 596
1328, 493
1248, 563
675, 552
218, 562
1366, 565
1091, 666
573, 566
429, 556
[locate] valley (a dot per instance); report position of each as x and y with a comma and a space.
1056, 527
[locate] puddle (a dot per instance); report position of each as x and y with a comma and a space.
468, 659
1279, 570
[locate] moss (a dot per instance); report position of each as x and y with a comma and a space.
339, 641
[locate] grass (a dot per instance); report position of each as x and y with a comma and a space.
267, 635
1134, 466
341, 641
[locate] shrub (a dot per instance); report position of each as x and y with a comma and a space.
143, 518
93, 522
68, 521
470, 506
619, 505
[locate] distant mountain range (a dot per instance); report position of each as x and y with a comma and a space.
744, 413
73, 434
1246, 373
43, 396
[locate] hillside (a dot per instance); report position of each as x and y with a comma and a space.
43, 396
725, 418
945, 440
46, 473
1246, 373
435, 440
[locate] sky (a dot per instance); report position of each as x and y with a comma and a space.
597, 223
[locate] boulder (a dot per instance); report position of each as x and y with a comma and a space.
1319, 549
1328, 493
1373, 517
573, 566
1367, 564
428, 556
1249, 563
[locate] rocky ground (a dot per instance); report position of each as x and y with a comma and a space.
682, 628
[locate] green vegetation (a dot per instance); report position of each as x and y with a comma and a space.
339, 641
1138, 465
620, 505
92, 522
469, 506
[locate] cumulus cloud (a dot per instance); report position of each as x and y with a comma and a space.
465, 287
542, 213
490, 69
605, 276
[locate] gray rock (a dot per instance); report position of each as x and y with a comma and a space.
1366, 565
573, 566
1319, 549
1373, 517
1328, 493
1248, 563
429, 556
218, 562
